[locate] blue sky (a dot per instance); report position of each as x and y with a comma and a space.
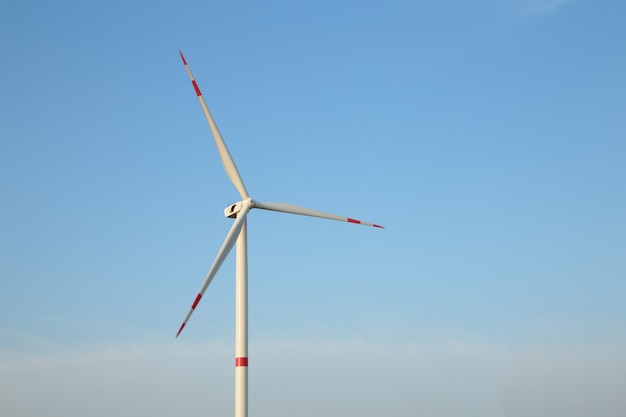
487, 136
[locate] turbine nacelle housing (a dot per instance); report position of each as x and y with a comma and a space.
232, 210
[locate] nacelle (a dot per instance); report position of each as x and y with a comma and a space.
232, 210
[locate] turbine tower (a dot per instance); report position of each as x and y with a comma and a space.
238, 235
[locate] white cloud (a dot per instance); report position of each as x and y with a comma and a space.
307, 378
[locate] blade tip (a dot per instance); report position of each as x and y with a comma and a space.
181, 329
182, 57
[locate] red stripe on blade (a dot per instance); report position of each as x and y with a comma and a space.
181, 329
183, 57
241, 361
196, 87
195, 303
354, 221
380, 227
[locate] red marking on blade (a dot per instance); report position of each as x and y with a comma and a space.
195, 303
380, 227
196, 87
181, 329
354, 221
183, 57
241, 361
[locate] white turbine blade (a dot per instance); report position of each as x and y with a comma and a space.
227, 160
228, 244
293, 209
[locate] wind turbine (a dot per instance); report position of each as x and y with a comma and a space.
238, 234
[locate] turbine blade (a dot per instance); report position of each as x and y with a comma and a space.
228, 244
293, 209
227, 160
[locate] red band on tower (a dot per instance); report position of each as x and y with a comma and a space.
241, 361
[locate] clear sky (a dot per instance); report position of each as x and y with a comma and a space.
488, 136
